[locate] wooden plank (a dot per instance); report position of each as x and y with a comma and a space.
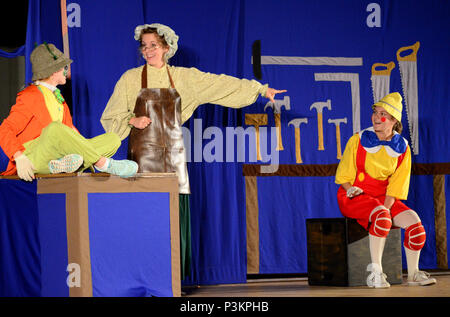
330, 169
252, 215
440, 221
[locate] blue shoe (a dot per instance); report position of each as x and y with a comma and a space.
122, 168
67, 164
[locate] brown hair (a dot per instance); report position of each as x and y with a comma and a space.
398, 127
150, 30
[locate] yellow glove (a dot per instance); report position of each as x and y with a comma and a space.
25, 169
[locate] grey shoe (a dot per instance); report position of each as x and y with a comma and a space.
67, 164
421, 278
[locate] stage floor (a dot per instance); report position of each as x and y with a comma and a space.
298, 287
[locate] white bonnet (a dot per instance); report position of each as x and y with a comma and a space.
164, 31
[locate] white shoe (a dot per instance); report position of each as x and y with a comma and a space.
421, 278
376, 278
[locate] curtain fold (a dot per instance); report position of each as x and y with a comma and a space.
33, 35
18, 52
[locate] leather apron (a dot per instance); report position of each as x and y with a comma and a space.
160, 146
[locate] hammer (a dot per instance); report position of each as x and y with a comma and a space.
256, 119
319, 106
296, 123
286, 102
337, 122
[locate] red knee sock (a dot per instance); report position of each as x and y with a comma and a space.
415, 237
380, 223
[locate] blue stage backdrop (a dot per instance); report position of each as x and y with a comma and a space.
325, 53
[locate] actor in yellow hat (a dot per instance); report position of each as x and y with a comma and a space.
392, 104
374, 175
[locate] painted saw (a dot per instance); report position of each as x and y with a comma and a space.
380, 78
408, 74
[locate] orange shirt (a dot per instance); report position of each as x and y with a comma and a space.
25, 122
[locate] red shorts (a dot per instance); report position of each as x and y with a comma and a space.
361, 206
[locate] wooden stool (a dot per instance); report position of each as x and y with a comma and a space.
338, 253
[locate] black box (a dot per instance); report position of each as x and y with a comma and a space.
338, 253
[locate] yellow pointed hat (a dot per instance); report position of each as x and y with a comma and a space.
392, 103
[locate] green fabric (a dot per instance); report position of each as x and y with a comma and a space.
58, 96
185, 235
57, 140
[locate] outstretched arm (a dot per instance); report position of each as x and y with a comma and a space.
225, 90
270, 94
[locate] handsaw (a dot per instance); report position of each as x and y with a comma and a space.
380, 78
408, 74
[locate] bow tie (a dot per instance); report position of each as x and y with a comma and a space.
58, 95
369, 140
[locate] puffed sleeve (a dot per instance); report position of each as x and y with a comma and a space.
118, 110
346, 170
398, 186
224, 90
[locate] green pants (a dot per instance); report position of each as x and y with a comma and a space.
57, 140
185, 235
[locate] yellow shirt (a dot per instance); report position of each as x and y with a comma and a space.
379, 165
194, 86
55, 109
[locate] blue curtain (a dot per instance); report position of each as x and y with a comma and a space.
20, 266
217, 37
18, 52
101, 50
33, 35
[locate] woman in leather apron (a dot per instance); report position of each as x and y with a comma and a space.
374, 175
159, 147
153, 120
